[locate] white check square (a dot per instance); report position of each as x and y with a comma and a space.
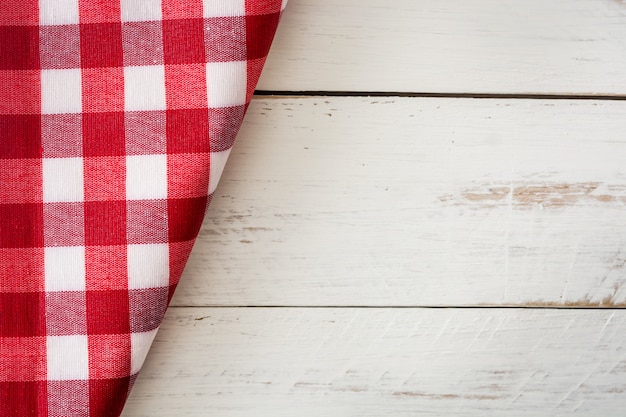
61, 91
58, 12
144, 88
219, 8
67, 358
140, 10
148, 266
146, 177
226, 83
64, 268
140, 345
63, 180
217, 164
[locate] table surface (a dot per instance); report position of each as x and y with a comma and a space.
423, 215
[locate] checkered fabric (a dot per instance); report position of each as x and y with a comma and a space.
116, 120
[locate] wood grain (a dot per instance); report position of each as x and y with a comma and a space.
388, 203
479, 46
418, 202
372, 362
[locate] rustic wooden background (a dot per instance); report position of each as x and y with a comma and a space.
425, 214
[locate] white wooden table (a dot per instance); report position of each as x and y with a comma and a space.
428, 217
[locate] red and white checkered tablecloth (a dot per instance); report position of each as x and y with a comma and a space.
116, 120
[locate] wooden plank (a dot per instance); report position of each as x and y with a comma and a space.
479, 46
374, 362
418, 202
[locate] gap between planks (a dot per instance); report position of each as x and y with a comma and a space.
268, 94
547, 306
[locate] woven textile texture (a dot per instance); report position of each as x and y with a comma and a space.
116, 119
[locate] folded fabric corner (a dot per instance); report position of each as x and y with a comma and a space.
116, 120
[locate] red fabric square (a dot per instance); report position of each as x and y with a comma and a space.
105, 178
142, 43
19, 47
103, 90
254, 67
179, 253
105, 267
24, 12
103, 134
224, 124
20, 92
67, 398
147, 307
60, 46
183, 41
109, 356
101, 45
258, 28
66, 313
24, 398
21, 181
61, 135
21, 225
26, 263
96, 11
22, 359
187, 131
262, 7
185, 217
146, 221
225, 39
187, 175
145, 132
65, 225
105, 223
107, 314
22, 314
185, 86
100, 393
176, 9
20, 134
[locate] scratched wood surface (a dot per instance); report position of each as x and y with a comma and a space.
349, 215
416, 202
479, 46
384, 362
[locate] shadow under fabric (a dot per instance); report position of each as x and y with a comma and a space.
116, 120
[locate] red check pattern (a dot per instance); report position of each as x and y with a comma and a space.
116, 119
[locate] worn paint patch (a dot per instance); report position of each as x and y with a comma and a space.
548, 195
445, 396
608, 301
